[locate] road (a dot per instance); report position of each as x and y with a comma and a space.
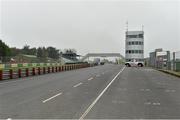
102, 92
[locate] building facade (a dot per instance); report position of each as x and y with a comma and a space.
134, 48
159, 58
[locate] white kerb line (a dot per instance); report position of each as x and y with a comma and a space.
51, 97
78, 84
94, 102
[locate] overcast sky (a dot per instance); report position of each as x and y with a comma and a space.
90, 25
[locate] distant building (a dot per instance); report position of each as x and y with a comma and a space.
134, 46
159, 58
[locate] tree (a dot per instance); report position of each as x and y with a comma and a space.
4, 51
15, 51
42, 52
53, 53
39, 52
32, 51
25, 49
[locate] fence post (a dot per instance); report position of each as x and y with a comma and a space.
59, 68
48, 69
1, 74
56, 69
11, 74
39, 70
33, 71
52, 69
27, 72
19, 73
174, 57
62, 68
44, 70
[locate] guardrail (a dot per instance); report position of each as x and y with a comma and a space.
35, 69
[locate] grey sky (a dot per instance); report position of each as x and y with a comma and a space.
90, 26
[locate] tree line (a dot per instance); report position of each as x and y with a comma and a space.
40, 52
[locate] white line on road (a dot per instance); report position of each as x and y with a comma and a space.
9, 119
95, 101
156, 103
90, 79
98, 75
44, 101
170, 90
78, 84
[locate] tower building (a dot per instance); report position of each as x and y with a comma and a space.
134, 49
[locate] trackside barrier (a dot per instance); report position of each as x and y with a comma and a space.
1, 74
19, 71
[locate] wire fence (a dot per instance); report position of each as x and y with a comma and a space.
165, 60
174, 62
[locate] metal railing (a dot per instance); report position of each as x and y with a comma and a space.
174, 62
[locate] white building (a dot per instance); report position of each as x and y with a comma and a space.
134, 46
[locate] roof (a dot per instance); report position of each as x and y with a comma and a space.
134, 32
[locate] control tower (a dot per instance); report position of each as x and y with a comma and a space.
134, 46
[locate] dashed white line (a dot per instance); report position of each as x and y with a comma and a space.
156, 103
78, 84
152, 103
145, 90
90, 79
98, 75
147, 103
95, 101
44, 101
170, 90
9, 119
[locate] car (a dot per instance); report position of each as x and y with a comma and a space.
134, 63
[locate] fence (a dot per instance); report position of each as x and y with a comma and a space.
165, 60
10, 71
174, 62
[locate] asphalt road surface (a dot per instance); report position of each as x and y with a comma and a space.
102, 92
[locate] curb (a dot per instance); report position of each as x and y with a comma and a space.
169, 72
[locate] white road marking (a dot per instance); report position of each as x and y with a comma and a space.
145, 90
153, 103
90, 79
9, 119
156, 103
147, 103
44, 101
95, 101
78, 84
98, 75
170, 90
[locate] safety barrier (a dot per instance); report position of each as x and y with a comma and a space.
18, 72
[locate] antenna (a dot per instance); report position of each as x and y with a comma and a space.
142, 27
127, 26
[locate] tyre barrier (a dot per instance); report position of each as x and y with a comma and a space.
32, 71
